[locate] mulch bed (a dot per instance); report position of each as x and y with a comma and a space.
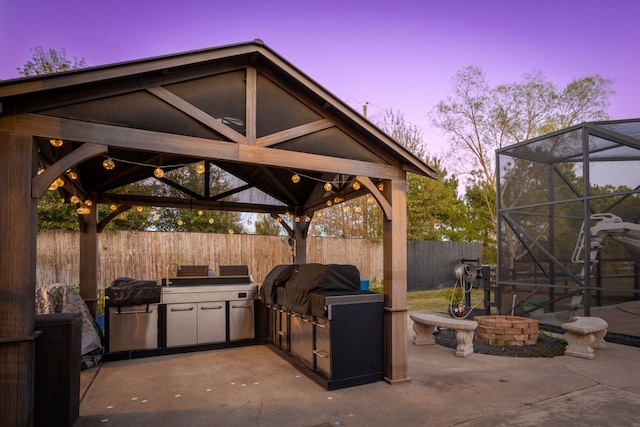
546, 346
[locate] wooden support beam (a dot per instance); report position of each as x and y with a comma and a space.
378, 195
40, 183
251, 105
18, 278
193, 111
295, 132
137, 139
395, 283
89, 257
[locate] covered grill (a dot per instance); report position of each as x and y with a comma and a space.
322, 322
132, 314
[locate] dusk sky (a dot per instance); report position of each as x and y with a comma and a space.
398, 55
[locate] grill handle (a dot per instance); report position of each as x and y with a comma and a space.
211, 308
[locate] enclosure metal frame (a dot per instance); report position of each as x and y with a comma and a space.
621, 133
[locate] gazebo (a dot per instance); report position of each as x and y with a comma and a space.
240, 109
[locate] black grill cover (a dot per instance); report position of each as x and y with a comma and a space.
276, 278
125, 291
314, 278
317, 300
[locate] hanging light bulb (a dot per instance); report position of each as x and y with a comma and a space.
327, 186
381, 187
306, 218
53, 186
113, 207
295, 178
74, 199
200, 212
336, 199
329, 202
297, 219
158, 173
279, 219
287, 213
180, 222
139, 208
249, 222
356, 185
346, 208
40, 171
200, 168
230, 231
56, 142
156, 217
72, 175
211, 220
88, 202
59, 182
358, 209
108, 164
318, 214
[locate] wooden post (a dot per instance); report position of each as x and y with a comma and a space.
18, 279
299, 229
395, 282
89, 257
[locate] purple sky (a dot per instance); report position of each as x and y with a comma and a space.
398, 55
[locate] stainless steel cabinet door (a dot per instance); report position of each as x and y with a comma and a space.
134, 327
241, 320
182, 324
212, 320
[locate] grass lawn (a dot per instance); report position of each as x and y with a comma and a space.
433, 300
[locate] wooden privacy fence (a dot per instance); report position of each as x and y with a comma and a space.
146, 255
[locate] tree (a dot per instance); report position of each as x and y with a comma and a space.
49, 61
479, 119
434, 210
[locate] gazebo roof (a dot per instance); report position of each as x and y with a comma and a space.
242, 110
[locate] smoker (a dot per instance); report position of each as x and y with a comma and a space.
321, 322
131, 321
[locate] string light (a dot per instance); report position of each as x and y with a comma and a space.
356, 185
158, 173
306, 218
200, 168
327, 186
329, 202
74, 199
139, 208
113, 207
59, 182
180, 222
108, 163
318, 214
56, 142
230, 231
295, 178
297, 219
200, 212
156, 217
211, 220
279, 219
71, 174
381, 187
88, 202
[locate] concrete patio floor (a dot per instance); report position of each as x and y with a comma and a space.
254, 386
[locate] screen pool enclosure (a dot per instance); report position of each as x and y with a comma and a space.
568, 219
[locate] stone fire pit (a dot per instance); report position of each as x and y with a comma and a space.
506, 330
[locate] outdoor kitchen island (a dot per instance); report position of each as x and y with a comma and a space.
190, 314
320, 321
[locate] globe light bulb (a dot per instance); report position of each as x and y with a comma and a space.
56, 142
297, 219
329, 202
200, 212
327, 186
356, 185
113, 207
200, 167
230, 231
108, 164
139, 208
295, 178
307, 219
381, 186
158, 173
180, 222
59, 182
211, 220
72, 175
74, 199
88, 202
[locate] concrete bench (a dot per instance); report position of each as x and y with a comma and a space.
583, 335
424, 325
